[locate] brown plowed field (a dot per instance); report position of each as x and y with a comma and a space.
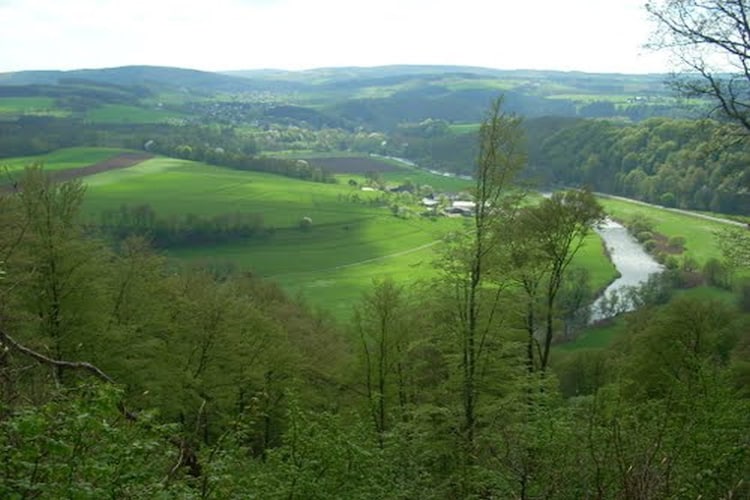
352, 165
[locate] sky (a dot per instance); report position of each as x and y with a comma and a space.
217, 35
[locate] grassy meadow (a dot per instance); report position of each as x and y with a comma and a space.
121, 113
349, 244
352, 241
12, 107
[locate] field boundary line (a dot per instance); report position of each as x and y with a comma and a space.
361, 262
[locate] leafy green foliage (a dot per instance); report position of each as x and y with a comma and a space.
79, 445
688, 164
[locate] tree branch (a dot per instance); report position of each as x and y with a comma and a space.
76, 365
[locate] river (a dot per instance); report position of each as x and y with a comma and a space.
630, 259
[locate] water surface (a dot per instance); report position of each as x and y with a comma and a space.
630, 259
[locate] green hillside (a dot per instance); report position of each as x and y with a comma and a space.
352, 239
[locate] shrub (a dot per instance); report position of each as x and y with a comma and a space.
717, 274
644, 236
677, 242
649, 244
639, 224
689, 264
671, 262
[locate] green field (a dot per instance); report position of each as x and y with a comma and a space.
174, 186
463, 128
597, 337
62, 159
119, 113
350, 243
17, 106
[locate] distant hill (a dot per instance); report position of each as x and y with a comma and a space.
364, 76
151, 76
426, 113
384, 96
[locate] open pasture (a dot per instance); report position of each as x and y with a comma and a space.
121, 113
179, 187
12, 107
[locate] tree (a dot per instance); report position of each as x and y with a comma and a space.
61, 292
561, 223
469, 263
710, 38
380, 320
735, 248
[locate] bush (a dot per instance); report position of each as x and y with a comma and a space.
689, 264
640, 223
677, 243
671, 262
656, 290
716, 274
649, 244
644, 236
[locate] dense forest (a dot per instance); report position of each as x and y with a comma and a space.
698, 164
123, 375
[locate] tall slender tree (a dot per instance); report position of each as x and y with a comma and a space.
475, 289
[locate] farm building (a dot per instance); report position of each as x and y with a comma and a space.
468, 206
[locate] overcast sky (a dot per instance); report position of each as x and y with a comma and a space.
585, 35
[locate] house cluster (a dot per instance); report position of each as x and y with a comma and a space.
448, 204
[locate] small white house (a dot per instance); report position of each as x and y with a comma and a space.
469, 206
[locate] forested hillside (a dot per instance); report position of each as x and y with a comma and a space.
697, 164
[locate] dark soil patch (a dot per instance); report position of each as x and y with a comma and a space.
353, 165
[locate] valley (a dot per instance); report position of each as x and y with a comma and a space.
370, 283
